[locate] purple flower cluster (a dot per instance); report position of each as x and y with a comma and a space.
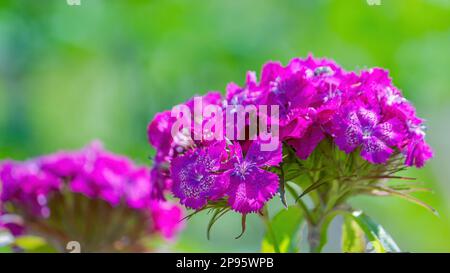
361, 112
91, 172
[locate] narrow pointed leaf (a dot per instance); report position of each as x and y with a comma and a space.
243, 223
282, 190
407, 197
311, 188
218, 213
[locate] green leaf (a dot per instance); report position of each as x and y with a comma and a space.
406, 197
313, 186
283, 230
291, 170
380, 239
353, 239
243, 224
5, 249
218, 213
282, 190
34, 244
324, 227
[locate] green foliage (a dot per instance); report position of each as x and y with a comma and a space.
327, 220
5, 249
217, 214
357, 230
34, 244
353, 239
380, 239
283, 231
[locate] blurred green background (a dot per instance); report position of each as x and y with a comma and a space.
70, 74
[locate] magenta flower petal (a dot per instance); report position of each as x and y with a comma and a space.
366, 118
167, 218
361, 112
196, 176
29, 187
83, 185
251, 188
375, 151
270, 71
160, 181
417, 153
26, 183
10, 186
138, 188
391, 131
349, 138
295, 129
109, 173
159, 134
65, 164
305, 145
263, 158
362, 127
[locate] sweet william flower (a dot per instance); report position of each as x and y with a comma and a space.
415, 147
166, 218
418, 152
159, 135
107, 192
376, 90
161, 180
309, 92
288, 88
62, 164
251, 185
360, 127
26, 183
309, 140
343, 133
210, 173
105, 176
249, 94
197, 175
168, 146
138, 188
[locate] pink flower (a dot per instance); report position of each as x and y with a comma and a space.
362, 127
251, 186
318, 101
167, 218
196, 176
92, 174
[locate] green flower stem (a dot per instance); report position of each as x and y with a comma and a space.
314, 234
326, 189
313, 221
301, 204
266, 219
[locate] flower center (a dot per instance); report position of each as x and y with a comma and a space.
331, 94
323, 70
367, 132
276, 86
242, 169
198, 177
